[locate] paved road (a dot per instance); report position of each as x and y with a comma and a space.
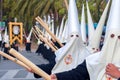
11, 71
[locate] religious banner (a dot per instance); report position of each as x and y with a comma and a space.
16, 32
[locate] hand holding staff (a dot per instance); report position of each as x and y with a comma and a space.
30, 64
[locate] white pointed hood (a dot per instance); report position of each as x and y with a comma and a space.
61, 28
39, 42
49, 20
115, 17
65, 32
110, 53
74, 52
95, 41
29, 36
37, 24
57, 35
1, 36
44, 19
90, 24
83, 26
52, 26
49, 25
6, 37
73, 21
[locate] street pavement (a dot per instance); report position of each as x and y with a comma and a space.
12, 71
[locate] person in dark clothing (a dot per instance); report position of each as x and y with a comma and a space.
28, 46
40, 49
56, 43
68, 74
28, 42
98, 65
50, 56
81, 73
15, 46
2, 45
46, 67
46, 53
5, 49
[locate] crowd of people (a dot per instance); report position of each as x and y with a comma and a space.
102, 65
74, 61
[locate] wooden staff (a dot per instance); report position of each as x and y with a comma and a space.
35, 35
29, 64
52, 44
43, 36
45, 40
66, 4
14, 60
47, 29
39, 31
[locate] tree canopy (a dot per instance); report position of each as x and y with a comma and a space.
27, 10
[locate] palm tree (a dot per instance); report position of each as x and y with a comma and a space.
27, 10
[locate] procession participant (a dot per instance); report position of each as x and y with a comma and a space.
95, 44
5, 43
28, 41
105, 64
15, 45
74, 52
